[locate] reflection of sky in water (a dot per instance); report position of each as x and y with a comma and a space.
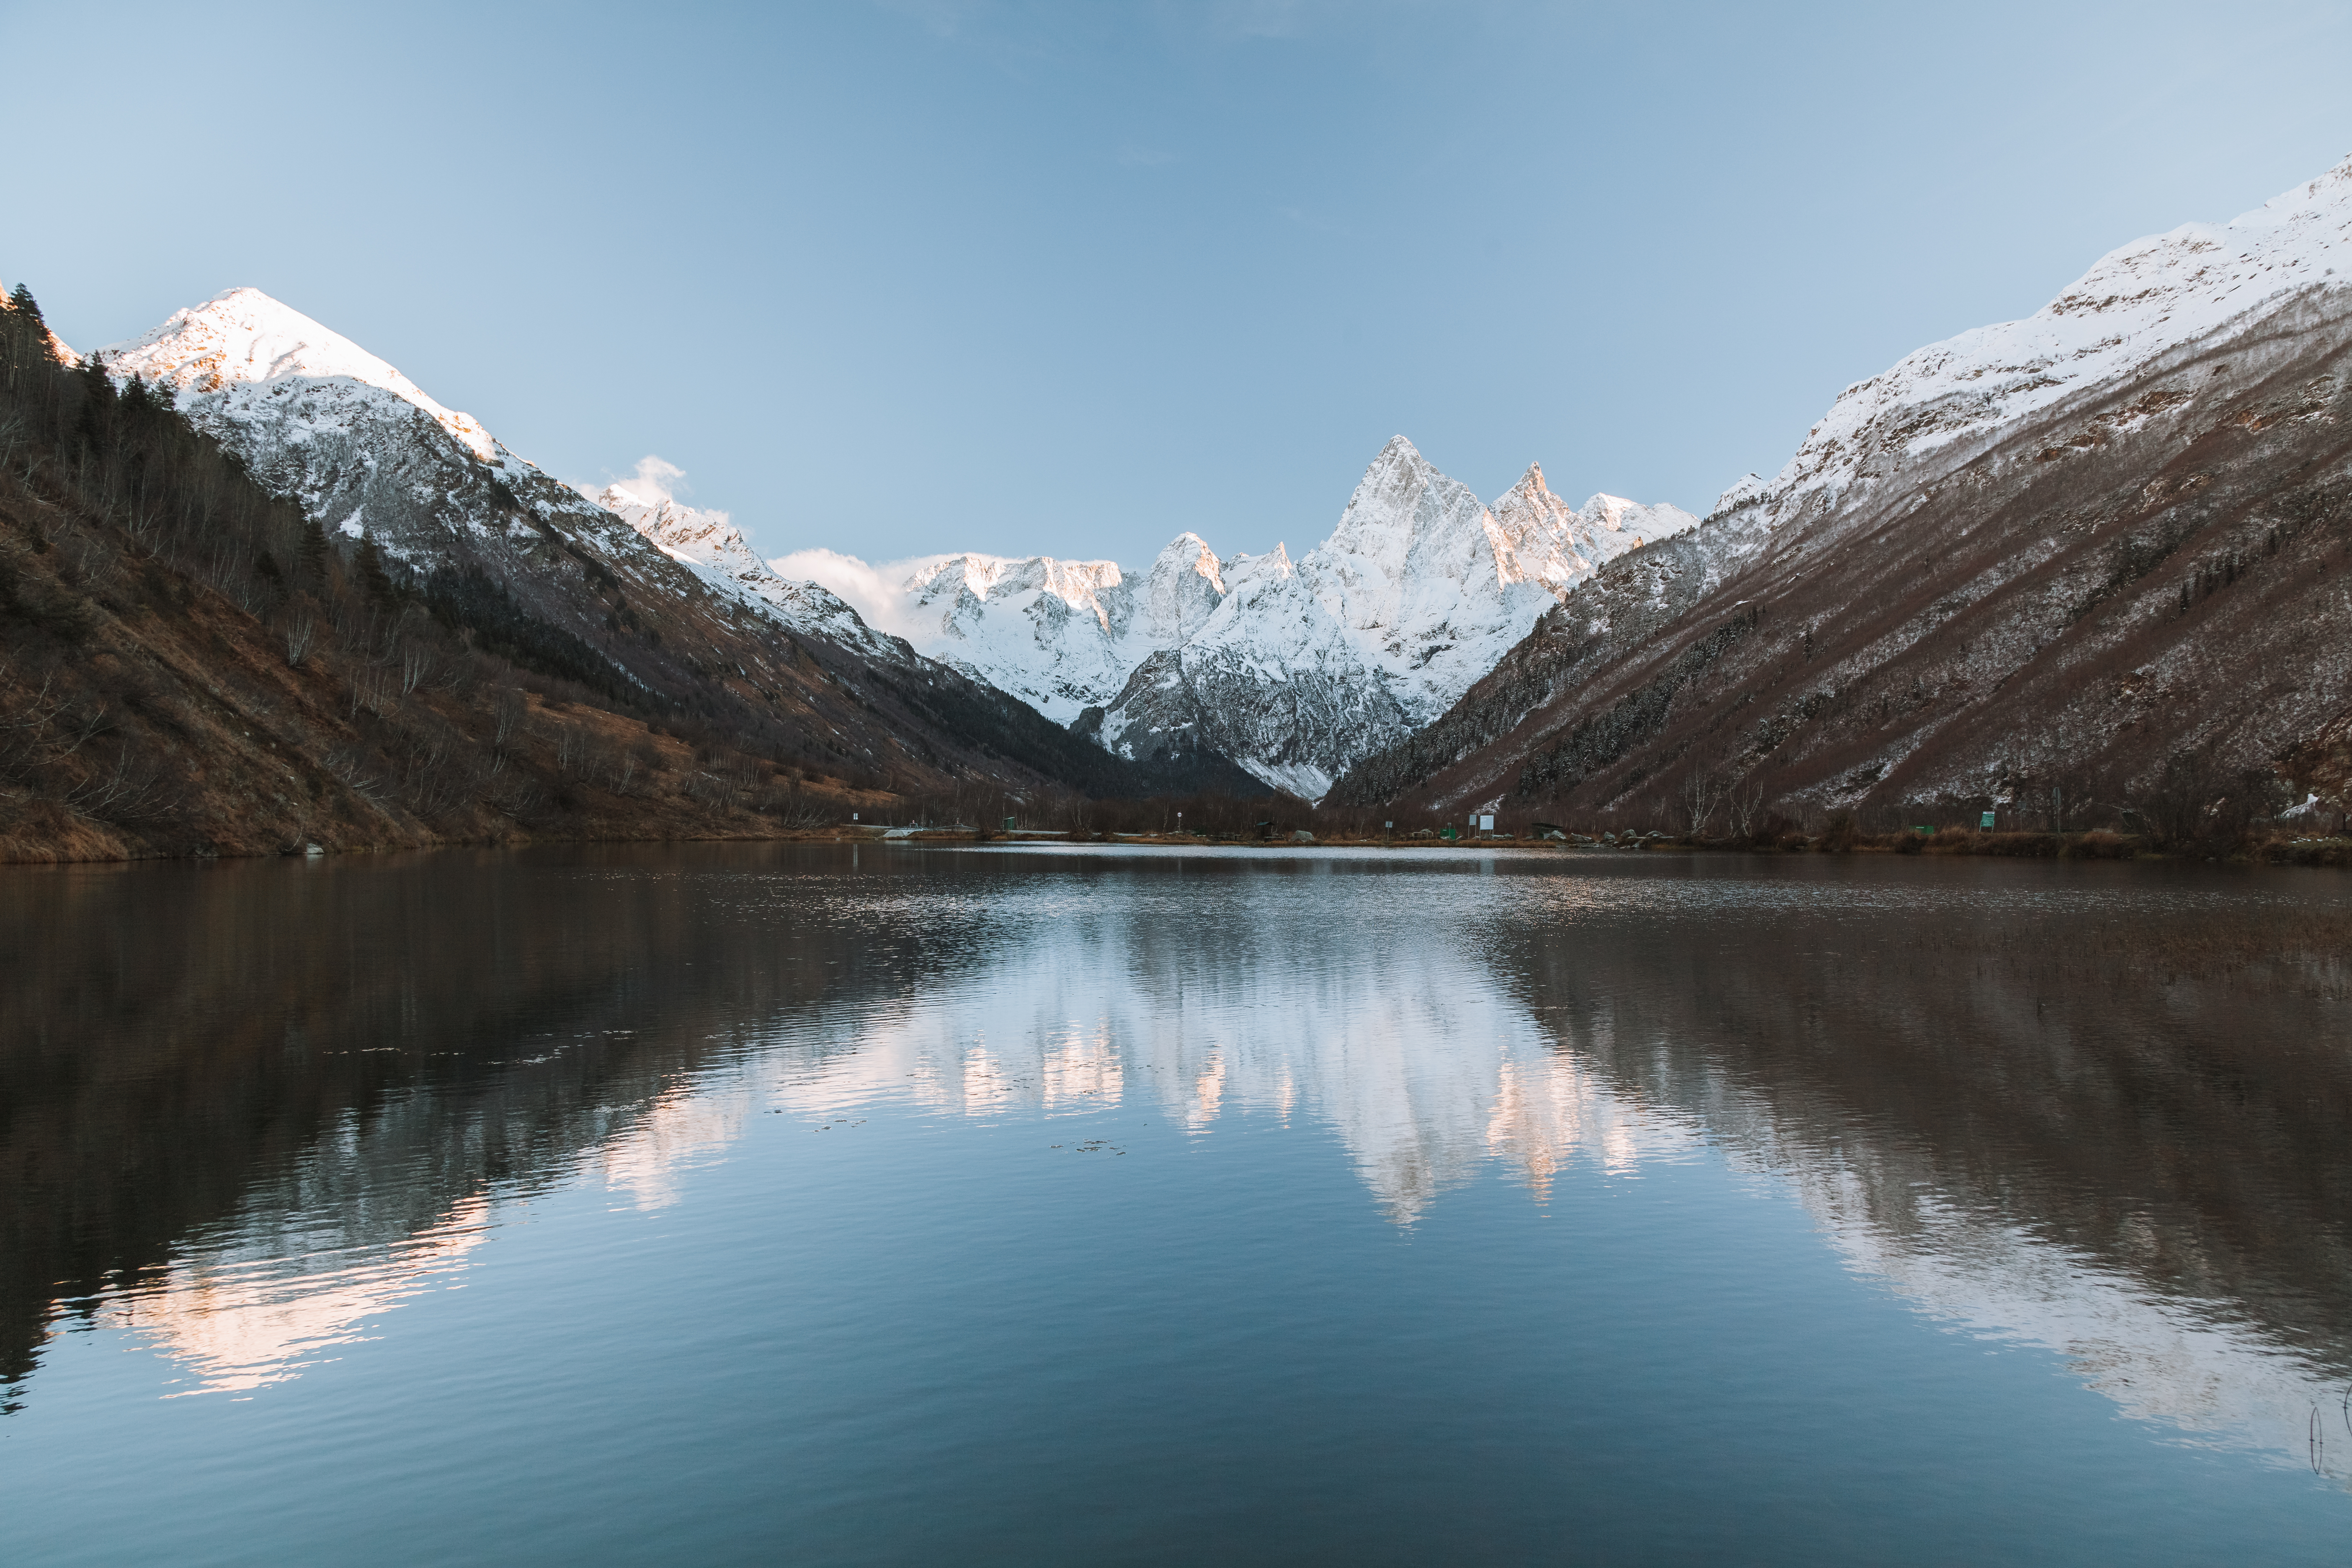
1374, 1012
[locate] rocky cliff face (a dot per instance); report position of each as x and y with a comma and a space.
1306, 668
1057, 634
708, 544
2087, 551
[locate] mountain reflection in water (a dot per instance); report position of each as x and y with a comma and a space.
246, 1111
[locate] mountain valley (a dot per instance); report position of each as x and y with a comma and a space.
262, 592
1295, 670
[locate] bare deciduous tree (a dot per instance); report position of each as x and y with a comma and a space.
415, 664
571, 750
370, 689
1747, 802
508, 711
1702, 791
301, 632
124, 790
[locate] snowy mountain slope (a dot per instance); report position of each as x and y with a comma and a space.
360, 445
2135, 306
2095, 542
1295, 669
1272, 680
708, 543
323, 419
1420, 589
1063, 635
687, 621
1056, 633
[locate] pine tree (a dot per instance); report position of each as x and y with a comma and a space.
374, 579
136, 402
99, 400
23, 337
312, 560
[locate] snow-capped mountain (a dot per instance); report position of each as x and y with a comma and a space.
367, 449
2138, 305
1293, 668
708, 543
1056, 633
628, 592
1436, 587
2095, 542
249, 352
1303, 669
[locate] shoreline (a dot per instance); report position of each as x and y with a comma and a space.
2315, 851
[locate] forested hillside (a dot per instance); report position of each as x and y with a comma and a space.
191, 665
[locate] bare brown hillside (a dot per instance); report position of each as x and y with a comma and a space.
190, 664
141, 713
2140, 599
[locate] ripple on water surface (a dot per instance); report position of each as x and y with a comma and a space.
1066, 1204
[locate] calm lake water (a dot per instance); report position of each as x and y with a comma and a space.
819, 1205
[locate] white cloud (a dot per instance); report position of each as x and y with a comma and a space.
656, 480
878, 593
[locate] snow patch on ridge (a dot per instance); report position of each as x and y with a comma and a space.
2136, 303
241, 339
877, 592
709, 542
1295, 669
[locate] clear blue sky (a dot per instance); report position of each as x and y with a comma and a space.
936, 275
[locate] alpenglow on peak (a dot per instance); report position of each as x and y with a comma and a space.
244, 335
1292, 667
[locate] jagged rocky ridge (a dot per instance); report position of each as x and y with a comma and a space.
2101, 551
708, 544
670, 610
1296, 669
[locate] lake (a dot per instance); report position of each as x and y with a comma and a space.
822, 1204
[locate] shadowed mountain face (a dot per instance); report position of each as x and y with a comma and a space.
267, 600
636, 606
2062, 552
1981, 1084
243, 1107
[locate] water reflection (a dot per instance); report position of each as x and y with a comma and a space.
250, 1110
269, 1075
236, 1322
